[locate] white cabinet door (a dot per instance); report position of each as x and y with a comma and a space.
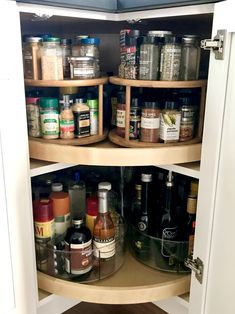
214, 242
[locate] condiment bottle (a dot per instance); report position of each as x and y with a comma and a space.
170, 59
77, 195
104, 230
33, 116
150, 122
81, 113
61, 208
51, 57
91, 211
170, 118
49, 116
78, 249
32, 58
66, 119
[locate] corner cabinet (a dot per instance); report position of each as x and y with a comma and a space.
134, 282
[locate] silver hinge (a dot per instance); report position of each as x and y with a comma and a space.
197, 266
216, 44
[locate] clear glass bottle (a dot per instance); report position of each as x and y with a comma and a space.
170, 59
66, 119
104, 230
78, 249
77, 195
136, 206
190, 58
51, 58
32, 58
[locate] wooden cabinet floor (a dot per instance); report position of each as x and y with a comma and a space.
91, 308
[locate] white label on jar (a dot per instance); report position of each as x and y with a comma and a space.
93, 121
83, 72
121, 116
33, 120
104, 248
50, 123
62, 223
150, 123
170, 126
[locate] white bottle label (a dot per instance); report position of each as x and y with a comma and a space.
170, 126
104, 248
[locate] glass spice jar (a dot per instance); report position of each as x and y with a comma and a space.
82, 68
33, 116
66, 52
121, 114
76, 46
170, 59
32, 58
150, 122
135, 117
90, 47
49, 114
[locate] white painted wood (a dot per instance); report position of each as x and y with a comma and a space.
54, 304
42, 167
188, 169
221, 275
173, 305
213, 125
15, 165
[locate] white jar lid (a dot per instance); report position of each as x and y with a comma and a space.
57, 187
105, 185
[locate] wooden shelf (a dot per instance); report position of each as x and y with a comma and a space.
132, 283
157, 84
109, 154
66, 83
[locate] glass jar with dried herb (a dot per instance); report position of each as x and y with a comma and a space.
150, 122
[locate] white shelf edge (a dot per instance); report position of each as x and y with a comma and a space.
47, 167
188, 169
55, 304
173, 305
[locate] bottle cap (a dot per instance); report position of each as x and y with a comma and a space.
77, 176
159, 33
61, 203
47, 102
42, 210
77, 221
105, 185
57, 187
190, 40
32, 39
32, 100
51, 39
169, 181
90, 41
146, 177
138, 187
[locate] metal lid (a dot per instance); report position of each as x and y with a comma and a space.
81, 59
159, 33
51, 40
77, 221
173, 40
105, 185
146, 177
190, 40
151, 104
151, 40
187, 120
33, 39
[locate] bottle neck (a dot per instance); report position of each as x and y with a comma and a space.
103, 201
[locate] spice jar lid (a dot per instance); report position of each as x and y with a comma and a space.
46, 102
42, 210
90, 41
66, 41
32, 39
159, 33
190, 39
173, 40
51, 40
32, 100
187, 120
57, 187
146, 177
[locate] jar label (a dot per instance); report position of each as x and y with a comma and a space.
121, 116
44, 230
104, 248
50, 123
33, 120
93, 121
66, 125
170, 126
62, 223
150, 123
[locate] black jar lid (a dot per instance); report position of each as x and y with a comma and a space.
173, 39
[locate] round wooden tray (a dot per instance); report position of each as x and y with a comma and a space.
121, 141
73, 142
66, 83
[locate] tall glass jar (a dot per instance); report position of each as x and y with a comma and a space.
170, 59
32, 58
150, 122
51, 56
190, 58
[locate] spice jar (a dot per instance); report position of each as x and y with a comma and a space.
81, 113
121, 114
83, 68
33, 116
76, 47
186, 129
190, 58
49, 117
32, 58
51, 56
90, 47
135, 117
150, 122
66, 119
170, 59
150, 51
66, 52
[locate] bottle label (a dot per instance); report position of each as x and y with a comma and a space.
82, 123
44, 230
143, 223
168, 247
66, 125
170, 126
93, 121
50, 123
150, 123
104, 248
33, 120
121, 115
62, 223
78, 258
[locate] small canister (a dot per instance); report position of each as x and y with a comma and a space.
33, 116
66, 52
49, 116
186, 129
121, 114
83, 68
32, 58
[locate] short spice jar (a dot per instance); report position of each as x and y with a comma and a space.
81, 112
186, 129
49, 115
33, 116
82, 68
150, 122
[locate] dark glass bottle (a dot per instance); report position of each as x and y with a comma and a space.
136, 206
169, 225
78, 249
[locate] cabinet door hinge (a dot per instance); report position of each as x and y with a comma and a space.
216, 44
196, 265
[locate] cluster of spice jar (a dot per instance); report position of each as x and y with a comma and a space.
159, 55
50, 58
69, 116
173, 117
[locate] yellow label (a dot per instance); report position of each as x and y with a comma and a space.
44, 229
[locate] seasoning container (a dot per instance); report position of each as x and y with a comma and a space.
135, 118
61, 208
49, 116
150, 122
33, 116
81, 112
51, 56
170, 59
66, 52
90, 47
170, 118
82, 68
190, 58
76, 47
32, 58
93, 106
186, 129
78, 249
121, 114
91, 211
149, 62
66, 119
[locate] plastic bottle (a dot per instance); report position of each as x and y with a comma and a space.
77, 195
